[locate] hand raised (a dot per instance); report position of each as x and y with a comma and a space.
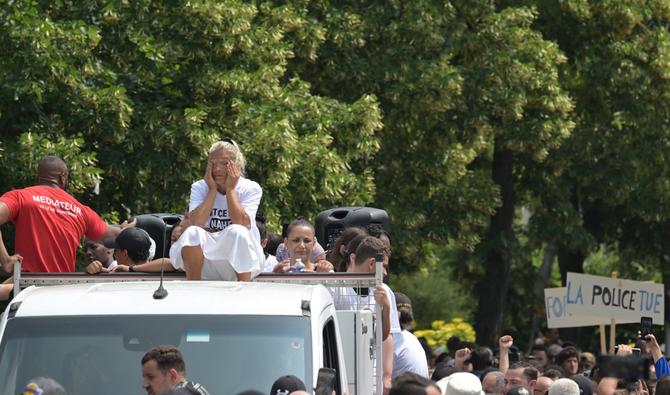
233, 175
125, 224
382, 297
505, 342
208, 177
624, 350
461, 356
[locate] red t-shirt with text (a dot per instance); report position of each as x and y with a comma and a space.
49, 226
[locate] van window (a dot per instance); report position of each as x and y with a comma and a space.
101, 355
330, 355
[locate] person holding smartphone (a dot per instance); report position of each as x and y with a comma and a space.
660, 364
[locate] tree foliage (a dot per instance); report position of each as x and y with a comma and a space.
456, 81
132, 94
451, 115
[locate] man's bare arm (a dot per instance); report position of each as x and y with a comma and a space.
6, 260
114, 230
148, 267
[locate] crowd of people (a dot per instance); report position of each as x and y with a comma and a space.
552, 367
221, 237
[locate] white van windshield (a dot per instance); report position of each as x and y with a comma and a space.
101, 355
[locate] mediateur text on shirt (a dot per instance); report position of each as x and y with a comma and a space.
57, 203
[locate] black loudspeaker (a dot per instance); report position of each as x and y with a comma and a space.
330, 223
159, 226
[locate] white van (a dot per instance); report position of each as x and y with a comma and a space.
234, 336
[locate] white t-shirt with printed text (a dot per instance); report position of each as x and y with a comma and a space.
249, 194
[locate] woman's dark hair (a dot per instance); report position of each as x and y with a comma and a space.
334, 256
298, 222
352, 246
481, 358
274, 241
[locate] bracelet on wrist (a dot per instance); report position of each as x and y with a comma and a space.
131, 268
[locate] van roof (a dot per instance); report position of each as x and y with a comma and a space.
184, 298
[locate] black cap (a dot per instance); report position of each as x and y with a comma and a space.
287, 384
135, 240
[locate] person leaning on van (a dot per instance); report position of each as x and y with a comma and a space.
49, 223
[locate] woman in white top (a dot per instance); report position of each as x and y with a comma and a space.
222, 242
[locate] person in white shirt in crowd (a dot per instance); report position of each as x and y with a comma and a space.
362, 252
222, 242
299, 241
408, 354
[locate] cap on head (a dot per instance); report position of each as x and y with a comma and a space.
287, 384
136, 241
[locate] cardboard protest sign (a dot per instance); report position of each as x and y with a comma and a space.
557, 315
623, 300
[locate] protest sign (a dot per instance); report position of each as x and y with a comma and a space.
623, 300
558, 316
555, 300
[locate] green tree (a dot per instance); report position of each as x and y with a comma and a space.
607, 183
132, 94
471, 101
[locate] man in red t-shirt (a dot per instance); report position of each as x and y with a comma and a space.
49, 222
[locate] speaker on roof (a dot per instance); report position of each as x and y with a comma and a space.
159, 226
330, 223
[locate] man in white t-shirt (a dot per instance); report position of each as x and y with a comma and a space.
409, 356
222, 242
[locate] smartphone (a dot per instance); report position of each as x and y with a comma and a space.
645, 326
325, 382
